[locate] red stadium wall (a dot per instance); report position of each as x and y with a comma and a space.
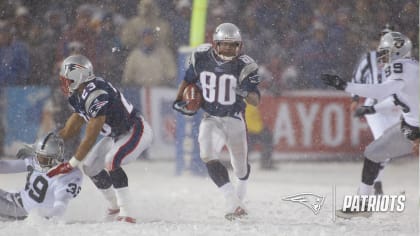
316, 123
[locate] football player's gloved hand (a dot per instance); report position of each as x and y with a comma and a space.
181, 106
25, 152
241, 92
64, 167
334, 81
364, 110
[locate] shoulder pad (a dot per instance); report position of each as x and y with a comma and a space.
203, 48
246, 59
200, 49
92, 98
248, 69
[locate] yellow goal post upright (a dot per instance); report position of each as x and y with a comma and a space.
187, 127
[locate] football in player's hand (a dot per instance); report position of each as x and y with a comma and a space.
192, 95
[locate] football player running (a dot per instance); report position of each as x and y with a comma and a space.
402, 84
125, 133
227, 78
46, 196
368, 71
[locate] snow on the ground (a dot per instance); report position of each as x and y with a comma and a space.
189, 205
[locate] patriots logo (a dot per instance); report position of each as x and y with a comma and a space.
72, 67
310, 200
96, 107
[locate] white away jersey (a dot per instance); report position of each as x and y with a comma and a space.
401, 80
43, 193
408, 71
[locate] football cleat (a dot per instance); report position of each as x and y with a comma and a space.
348, 214
237, 214
113, 211
111, 214
352, 214
127, 219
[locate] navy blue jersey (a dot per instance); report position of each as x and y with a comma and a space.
218, 80
101, 98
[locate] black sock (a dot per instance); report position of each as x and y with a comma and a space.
119, 178
217, 172
370, 171
102, 180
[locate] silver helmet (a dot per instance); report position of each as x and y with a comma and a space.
393, 46
49, 151
75, 70
229, 33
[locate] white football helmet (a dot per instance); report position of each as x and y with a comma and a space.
49, 152
393, 46
228, 33
75, 70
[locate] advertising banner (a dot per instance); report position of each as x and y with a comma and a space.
314, 124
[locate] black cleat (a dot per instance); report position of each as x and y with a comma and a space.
351, 214
348, 214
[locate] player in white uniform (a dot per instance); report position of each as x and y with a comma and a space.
46, 196
368, 71
402, 84
228, 79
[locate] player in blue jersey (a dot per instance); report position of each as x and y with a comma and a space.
105, 110
227, 78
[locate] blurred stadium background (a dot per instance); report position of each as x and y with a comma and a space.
141, 47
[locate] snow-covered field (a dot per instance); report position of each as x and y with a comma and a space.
188, 205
